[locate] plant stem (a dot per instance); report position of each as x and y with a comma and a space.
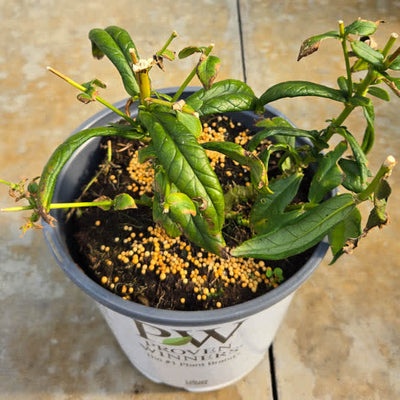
144, 85
98, 98
389, 44
53, 206
361, 91
391, 59
167, 43
346, 57
5, 182
184, 108
384, 171
190, 76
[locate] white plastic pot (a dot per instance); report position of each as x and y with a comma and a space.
194, 350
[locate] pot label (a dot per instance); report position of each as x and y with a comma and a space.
197, 358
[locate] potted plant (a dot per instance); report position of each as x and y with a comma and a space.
219, 221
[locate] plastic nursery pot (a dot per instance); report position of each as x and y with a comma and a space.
194, 350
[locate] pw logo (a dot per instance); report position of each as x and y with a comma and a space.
179, 337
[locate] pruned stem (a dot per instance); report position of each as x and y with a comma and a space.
389, 44
346, 57
53, 206
167, 43
190, 76
98, 98
384, 171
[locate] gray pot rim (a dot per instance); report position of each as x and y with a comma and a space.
144, 313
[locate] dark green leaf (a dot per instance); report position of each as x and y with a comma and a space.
192, 123
300, 235
124, 41
223, 96
237, 153
278, 121
301, 88
279, 131
268, 205
371, 56
369, 135
185, 161
342, 83
345, 232
188, 51
378, 216
358, 153
360, 101
145, 153
379, 92
361, 27
207, 70
159, 216
312, 44
352, 172
182, 211
63, 153
328, 175
103, 43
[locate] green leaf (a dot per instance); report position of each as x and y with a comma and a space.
180, 205
63, 153
300, 88
182, 211
312, 44
188, 51
123, 202
103, 43
300, 235
223, 96
159, 216
192, 123
360, 101
378, 216
237, 153
207, 70
178, 341
379, 92
145, 153
395, 65
280, 131
275, 122
267, 206
168, 54
345, 233
361, 27
369, 135
358, 153
124, 41
328, 175
185, 161
359, 65
342, 83
371, 56
352, 172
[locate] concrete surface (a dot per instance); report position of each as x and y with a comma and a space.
341, 337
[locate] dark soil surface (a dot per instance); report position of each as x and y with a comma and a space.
126, 252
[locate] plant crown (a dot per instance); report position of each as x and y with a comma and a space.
188, 198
